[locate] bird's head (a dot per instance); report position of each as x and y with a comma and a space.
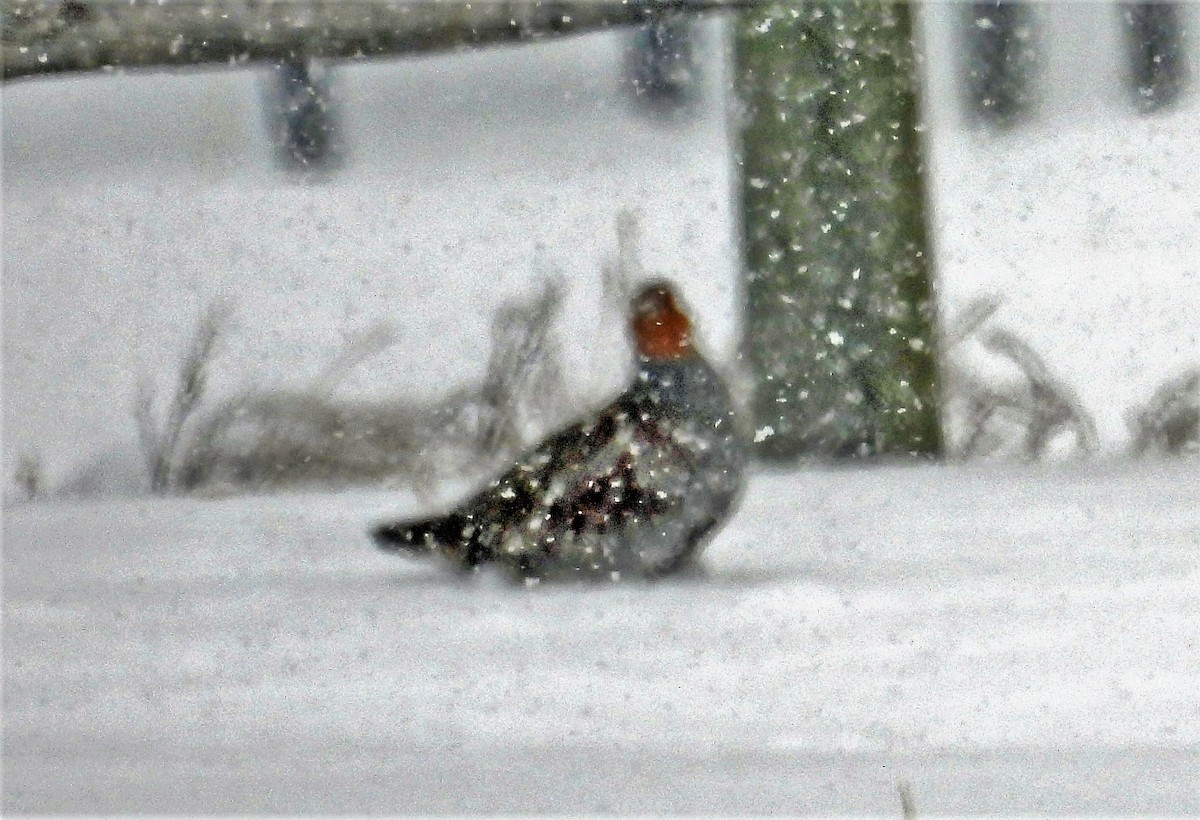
661, 330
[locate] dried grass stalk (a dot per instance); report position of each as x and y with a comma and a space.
161, 440
287, 438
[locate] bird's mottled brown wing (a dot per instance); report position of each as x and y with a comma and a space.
480, 528
562, 460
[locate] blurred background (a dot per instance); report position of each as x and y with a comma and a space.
323, 271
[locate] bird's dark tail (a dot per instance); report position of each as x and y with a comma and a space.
412, 536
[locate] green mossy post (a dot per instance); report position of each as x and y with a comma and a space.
839, 325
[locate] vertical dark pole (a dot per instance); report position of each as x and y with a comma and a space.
1000, 60
1156, 57
839, 324
661, 65
303, 127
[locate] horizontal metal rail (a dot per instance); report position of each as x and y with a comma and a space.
53, 36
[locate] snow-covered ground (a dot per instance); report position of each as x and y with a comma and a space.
1003, 640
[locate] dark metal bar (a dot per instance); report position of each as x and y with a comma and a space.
1001, 58
300, 109
1157, 61
50, 36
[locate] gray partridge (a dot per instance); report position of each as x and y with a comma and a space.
634, 490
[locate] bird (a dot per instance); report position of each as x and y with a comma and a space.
634, 490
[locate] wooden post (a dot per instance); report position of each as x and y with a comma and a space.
839, 326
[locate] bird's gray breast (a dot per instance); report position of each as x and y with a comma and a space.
691, 459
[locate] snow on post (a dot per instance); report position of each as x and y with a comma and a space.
839, 325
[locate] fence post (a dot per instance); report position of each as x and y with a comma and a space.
839, 324
1155, 40
300, 110
1000, 58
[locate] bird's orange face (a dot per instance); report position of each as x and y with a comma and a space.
660, 329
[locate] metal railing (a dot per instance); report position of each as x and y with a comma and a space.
51, 36
1002, 41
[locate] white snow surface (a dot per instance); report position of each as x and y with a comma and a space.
1009, 640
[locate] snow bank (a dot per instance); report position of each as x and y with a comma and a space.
1013, 641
